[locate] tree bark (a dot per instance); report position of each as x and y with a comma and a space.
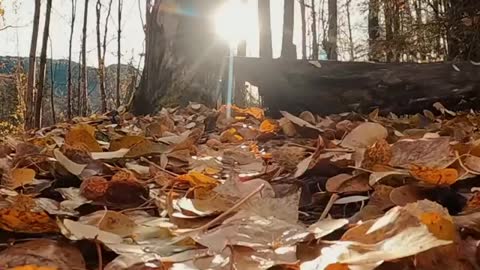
373, 30
43, 65
338, 87
332, 53
69, 79
84, 84
288, 48
119, 51
265, 29
101, 64
29, 98
174, 70
314, 32
304, 29
52, 85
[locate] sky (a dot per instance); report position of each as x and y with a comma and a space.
15, 41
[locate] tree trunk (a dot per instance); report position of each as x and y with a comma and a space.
52, 85
351, 45
288, 48
373, 30
332, 53
119, 51
174, 70
69, 79
103, 95
265, 29
29, 99
314, 32
338, 87
84, 95
304, 29
43, 65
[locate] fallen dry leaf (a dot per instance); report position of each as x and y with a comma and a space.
364, 136
446, 176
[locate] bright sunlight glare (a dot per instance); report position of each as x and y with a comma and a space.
235, 22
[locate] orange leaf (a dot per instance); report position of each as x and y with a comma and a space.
439, 226
197, 179
20, 177
337, 266
253, 111
16, 220
125, 142
33, 267
81, 135
446, 176
268, 126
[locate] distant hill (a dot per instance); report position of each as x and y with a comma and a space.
60, 71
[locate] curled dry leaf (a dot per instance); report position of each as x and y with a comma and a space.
94, 188
364, 135
287, 127
299, 121
48, 254
268, 126
379, 153
324, 227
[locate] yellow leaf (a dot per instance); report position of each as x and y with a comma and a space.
439, 226
20, 177
268, 126
125, 142
446, 176
81, 135
197, 179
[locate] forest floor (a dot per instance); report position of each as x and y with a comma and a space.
190, 188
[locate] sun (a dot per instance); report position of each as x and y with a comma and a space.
235, 21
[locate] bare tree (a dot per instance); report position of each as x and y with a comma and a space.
43, 65
373, 29
332, 30
52, 84
304, 29
265, 29
351, 45
29, 99
288, 48
84, 95
69, 79
314, 32
119, 52
103, 95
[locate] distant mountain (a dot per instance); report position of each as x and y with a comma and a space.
8, 65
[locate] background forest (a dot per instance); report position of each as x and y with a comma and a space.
105, 60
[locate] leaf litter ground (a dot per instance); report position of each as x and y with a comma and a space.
190, 189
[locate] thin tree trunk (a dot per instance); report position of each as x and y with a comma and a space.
84, 94
79, 84
29, 99
101, 63
304, 29
265, 29
332, 53
373, 29
288, 48
69, 79
350, 32
43, 64
119, 52
314, 33
52, 84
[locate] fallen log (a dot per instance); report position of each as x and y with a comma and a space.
327, 87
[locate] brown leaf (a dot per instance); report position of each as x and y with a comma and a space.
447, 176
43, 252
431, 153
378, 154
345, 183
20, 177
126, 142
